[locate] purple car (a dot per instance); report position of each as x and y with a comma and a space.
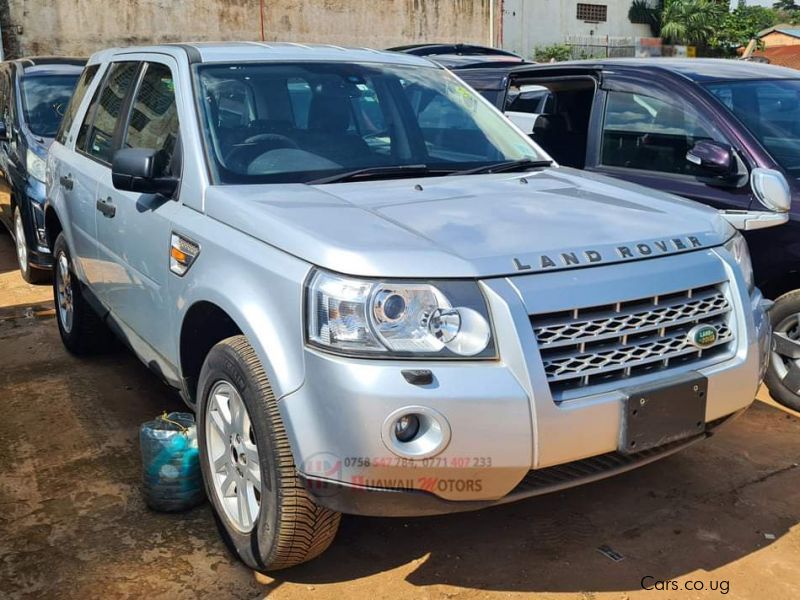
699, 128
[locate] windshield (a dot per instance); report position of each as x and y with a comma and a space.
268, 122
771, 111
44, 100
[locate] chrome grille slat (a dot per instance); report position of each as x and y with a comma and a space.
665, 348
565, 334
601, 344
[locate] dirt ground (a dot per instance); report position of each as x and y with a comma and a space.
724, 513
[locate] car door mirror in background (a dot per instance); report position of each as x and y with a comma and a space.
713, 157
142, 170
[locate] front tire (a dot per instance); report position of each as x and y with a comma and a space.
783, 372
29, 273
263, 512
81, 329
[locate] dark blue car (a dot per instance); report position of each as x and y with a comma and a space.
694, 127
34, 92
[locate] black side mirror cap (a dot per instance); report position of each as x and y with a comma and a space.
142, 170
713, 157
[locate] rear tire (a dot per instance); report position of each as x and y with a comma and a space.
81, 329
264, 514
29, 273
783, 372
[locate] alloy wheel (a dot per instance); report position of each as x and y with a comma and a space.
66, 306
19, 239
786, 352
232, 455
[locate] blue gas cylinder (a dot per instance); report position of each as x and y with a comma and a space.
171, 476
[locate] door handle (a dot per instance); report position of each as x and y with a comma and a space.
106, 207
66, 182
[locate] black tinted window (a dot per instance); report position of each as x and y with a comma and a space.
97, 131
77, 97
644, 132
154, 117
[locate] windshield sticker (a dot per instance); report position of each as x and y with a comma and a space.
461, 96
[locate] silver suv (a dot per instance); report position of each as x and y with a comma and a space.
379, 296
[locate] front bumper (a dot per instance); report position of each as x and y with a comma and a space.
508, 438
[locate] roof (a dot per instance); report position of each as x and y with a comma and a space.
459, 61
784, 56
430, 49
785, 29
209, 52
696, 69
30, 61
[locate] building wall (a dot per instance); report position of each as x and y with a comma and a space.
80, 27
777, 38
527, 24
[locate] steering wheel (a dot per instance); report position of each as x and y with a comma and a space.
242, 154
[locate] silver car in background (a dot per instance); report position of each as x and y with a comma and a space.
380, 297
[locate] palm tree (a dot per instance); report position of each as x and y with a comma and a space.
691, 21
647, 12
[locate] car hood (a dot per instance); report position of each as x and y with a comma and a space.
468, 226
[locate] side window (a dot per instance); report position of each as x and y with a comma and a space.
5, 99
642, 132
77, 97
96, 135
154, 115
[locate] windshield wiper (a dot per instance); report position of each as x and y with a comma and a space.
522, 164
379, 172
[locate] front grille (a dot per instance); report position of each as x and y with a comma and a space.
588, 346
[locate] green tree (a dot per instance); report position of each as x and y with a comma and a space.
786, 5
742, 24
556, 52
692, 22
646, 12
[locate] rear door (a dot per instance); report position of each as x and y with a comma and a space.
134, 229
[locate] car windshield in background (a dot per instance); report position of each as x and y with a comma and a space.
299, 122
771, 111
44, 100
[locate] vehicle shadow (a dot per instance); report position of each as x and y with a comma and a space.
702, 509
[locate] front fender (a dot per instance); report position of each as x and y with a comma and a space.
258, 286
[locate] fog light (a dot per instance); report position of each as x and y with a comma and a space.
406, 428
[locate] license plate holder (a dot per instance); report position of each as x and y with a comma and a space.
673, 410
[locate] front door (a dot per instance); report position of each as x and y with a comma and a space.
643, 134
89, 163
134, 229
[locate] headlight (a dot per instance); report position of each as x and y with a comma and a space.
446, 319
36, 165
737, 246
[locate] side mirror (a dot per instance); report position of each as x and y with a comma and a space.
771, 189
713, 157
142, 170
3, 132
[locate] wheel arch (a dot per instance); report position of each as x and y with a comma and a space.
213, 318
52, 226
